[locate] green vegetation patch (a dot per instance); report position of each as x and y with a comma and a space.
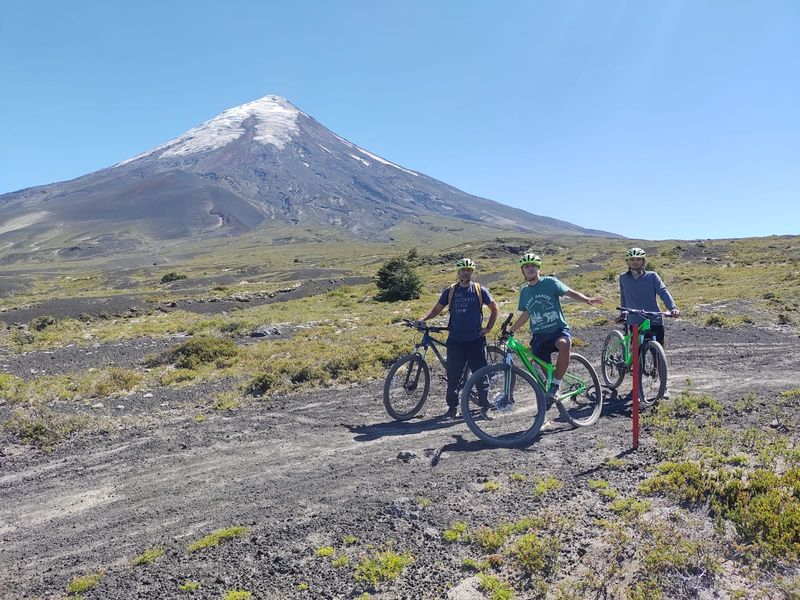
147, 557
324, 551
198, 351
456, 532
604, 488
237, 595
44, 428
383, 566
764, 506
495, 587
546, 485
216, 537
84, 583
189, 586
536, 555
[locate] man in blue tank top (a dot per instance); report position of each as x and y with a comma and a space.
466, 339
540, 301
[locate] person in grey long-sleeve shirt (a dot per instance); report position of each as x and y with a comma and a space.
638, 288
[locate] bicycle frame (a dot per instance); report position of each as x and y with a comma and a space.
627, 339
428, 341
528, 358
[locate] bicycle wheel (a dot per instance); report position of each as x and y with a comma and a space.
516, 406
652, 373
406, 387
612, 361
494, 355
581, 397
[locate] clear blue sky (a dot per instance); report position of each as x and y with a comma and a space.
650, 118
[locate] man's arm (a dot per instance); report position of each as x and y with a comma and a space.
521, 320
494, 310
432, 313
666, 297
583, 298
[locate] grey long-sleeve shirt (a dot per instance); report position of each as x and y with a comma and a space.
641, 293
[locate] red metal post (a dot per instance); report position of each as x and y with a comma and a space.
635, 392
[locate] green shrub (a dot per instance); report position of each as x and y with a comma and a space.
171, 276
237, 595
200, 350
602, 487
536, 555
189, 586
44, 428
384, 566
261, 384
216, 537
324, 551
116, 380
340, 561
546, 485
456, 533
496, 587
398, 280
716, 320
764, 507
42, 323
147, 557
84, 583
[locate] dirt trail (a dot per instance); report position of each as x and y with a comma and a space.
304, 471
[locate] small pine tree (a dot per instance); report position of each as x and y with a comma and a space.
398, 280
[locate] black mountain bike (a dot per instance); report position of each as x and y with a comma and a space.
408, 382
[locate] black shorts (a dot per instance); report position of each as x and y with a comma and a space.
544, 344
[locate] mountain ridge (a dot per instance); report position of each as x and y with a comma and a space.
262, 165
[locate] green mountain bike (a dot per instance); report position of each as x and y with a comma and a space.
517, 401
617, 359
408, 382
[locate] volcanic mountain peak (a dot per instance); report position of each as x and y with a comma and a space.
272, 119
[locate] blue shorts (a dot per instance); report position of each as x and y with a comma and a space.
544, 344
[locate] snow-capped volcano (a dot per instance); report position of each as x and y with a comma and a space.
264, 165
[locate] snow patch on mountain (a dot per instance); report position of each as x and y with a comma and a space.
274, 123
372, 156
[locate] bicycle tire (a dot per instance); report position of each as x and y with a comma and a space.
612, 359
512, 424
580, 396
652, 373
494, 355
403, 392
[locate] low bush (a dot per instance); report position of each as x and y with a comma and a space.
44, 428
216, 537
764, 506
148, 557
198, 351
171, 276
84, 583
383, 566
42, 323
535, 555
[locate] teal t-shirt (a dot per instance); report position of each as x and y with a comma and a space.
542, 301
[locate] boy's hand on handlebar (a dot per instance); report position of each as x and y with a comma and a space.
419, 324
674, 313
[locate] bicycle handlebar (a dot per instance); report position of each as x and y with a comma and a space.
504, 332
431, 328
647, 313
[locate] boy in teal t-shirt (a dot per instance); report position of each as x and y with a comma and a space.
540, 302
